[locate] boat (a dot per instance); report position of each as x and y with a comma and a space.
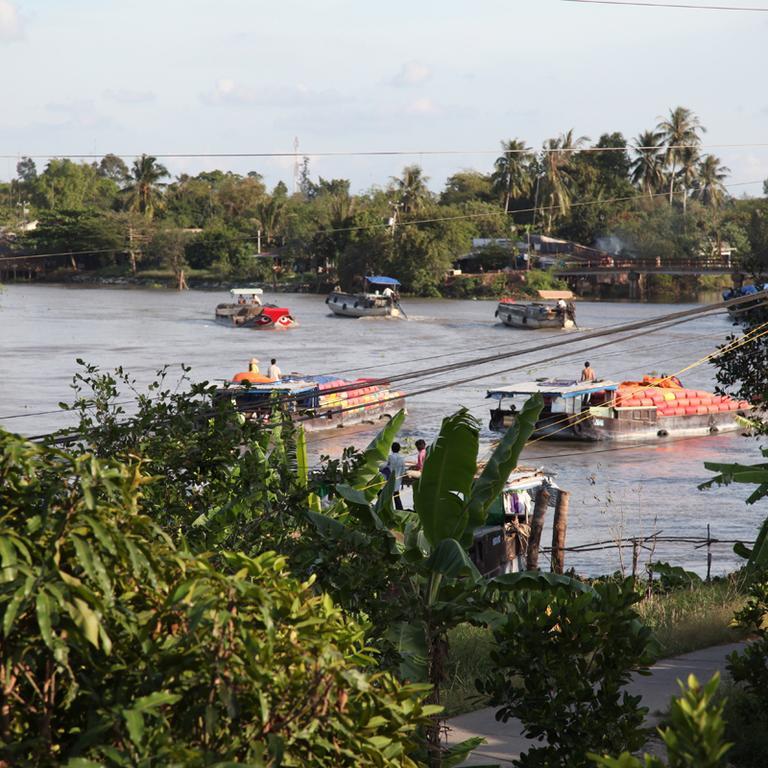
619, 411
246, 311
318, 402
555, 310
501, 545
740, 311
380, 298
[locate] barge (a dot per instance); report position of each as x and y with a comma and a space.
619, 411
318, 402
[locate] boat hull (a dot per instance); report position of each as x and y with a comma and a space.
607, 427
521, 316
361, 305
261, 318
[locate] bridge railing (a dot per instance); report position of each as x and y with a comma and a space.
623, 264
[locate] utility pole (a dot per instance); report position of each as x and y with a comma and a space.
258, 241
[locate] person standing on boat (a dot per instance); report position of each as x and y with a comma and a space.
588, 373
421, 448
396, 467
273, 372
390, 295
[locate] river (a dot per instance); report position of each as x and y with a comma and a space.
614, 493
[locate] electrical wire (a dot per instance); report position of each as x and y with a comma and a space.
686, 6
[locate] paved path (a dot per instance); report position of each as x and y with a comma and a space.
504, 741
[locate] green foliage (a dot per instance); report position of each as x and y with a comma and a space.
542, 280
219, 246
563, 657
694, 737
120, 649
672, 577
751, 666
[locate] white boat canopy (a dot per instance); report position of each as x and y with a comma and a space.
554, 388
554, 295
246, 291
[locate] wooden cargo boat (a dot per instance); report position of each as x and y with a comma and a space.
555, 310
247, 311
380, 298
627, 411
319, 402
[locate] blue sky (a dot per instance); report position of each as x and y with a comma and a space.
173, 76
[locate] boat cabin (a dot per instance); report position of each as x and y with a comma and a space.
562, 397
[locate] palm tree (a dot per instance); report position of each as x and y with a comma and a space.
511, 177
647, 168
411, 189
555, 184
269, 213
689, 171
144, 192
679, 131
709, 188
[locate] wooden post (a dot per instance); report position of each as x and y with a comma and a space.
537, 526
709, 553
559, 527
635, 558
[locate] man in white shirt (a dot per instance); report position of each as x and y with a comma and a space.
396, 466
273, 372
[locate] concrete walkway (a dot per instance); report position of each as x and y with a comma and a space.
505, 741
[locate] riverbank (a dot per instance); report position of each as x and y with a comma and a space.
517, 285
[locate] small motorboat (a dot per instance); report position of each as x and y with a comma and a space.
246, 311
555, 310
621, 411
380, 298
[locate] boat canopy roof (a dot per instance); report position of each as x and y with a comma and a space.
554, 295
554, 388
246, 291
381, 280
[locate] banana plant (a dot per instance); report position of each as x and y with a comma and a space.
439, 585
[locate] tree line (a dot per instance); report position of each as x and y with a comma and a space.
659, 195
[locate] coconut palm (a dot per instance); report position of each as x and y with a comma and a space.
411, 189
555, 184
143, 193
647, 169
689, 171
709, 188
511, 177
269, 212
679, 132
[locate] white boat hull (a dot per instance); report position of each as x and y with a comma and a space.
530, 317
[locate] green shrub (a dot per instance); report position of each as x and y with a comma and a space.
563, 658
120, 649
542, 280
695, 737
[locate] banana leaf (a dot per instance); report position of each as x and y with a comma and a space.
503, 460
440, 496
376, 454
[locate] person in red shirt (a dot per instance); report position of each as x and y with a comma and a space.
421, 447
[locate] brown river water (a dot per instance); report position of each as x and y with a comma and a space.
614, 493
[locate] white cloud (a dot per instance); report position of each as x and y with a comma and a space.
228, 92
411, 73
423, 106
127, 96
10, 24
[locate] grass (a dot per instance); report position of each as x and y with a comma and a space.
683, 620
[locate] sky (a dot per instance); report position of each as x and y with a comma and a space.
454, 77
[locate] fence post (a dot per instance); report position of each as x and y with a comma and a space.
709, 554
635, 558
537, 526
559, 527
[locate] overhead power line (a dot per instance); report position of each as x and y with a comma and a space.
415, 222
687, 6
377, 152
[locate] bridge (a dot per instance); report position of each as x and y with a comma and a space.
635, 271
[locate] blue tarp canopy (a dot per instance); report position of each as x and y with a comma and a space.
381, 280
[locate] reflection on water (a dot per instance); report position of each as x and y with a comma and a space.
43, 329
